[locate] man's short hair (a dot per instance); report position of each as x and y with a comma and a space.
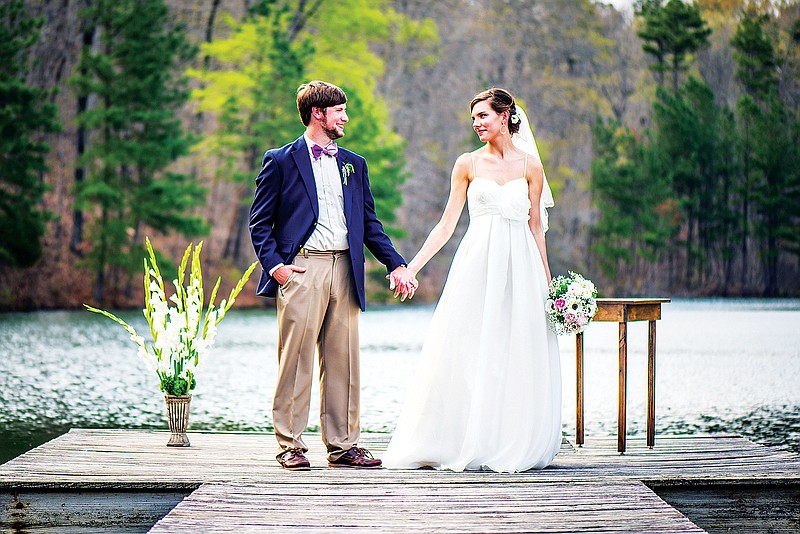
317, 94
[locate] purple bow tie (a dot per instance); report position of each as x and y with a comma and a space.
330, 150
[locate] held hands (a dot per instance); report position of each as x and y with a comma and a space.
403, 282
282, 274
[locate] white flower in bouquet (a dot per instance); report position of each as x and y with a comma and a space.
571, 304
182, 330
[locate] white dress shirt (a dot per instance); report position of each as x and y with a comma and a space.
330, 232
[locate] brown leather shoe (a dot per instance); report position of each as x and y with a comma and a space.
356, 457
294, 460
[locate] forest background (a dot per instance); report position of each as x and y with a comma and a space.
669, 131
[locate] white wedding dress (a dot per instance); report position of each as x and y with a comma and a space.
487, 394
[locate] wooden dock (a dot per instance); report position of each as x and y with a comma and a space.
128, 480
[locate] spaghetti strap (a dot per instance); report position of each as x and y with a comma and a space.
473, 164
525, 170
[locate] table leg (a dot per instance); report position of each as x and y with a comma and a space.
623, 375
651, 385
579, 391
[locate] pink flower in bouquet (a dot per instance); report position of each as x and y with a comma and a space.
570, 318
560, 304
583, 320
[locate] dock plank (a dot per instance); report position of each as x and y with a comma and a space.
236, 484
561, 507
120, 456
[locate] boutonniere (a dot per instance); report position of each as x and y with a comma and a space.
347, 169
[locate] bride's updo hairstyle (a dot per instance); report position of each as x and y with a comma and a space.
500, 100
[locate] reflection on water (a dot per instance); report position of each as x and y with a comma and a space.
723, 366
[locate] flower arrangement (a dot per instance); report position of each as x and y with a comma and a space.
182, 327
347, 170
571, 303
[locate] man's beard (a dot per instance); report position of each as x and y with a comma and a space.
332, 133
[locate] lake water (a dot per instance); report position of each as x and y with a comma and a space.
728, 366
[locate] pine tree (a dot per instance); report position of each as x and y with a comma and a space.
25, 114
776, 195
688, 132
136, 135
672, 32
757, 73
770, 154
756, 63
630, 190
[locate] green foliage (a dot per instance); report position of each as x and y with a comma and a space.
756, 63
137, 134
343, 56
770, 146
691, 131
632, 195
175, 385
383, 151
267, 56
25, 114
724, 179
671, 32
252, 90
774, 177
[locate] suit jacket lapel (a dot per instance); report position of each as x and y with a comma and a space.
303, 162
347, 190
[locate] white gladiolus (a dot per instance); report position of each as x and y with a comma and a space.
182, 327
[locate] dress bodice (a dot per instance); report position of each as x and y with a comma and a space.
509, 200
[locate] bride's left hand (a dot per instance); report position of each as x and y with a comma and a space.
403, 283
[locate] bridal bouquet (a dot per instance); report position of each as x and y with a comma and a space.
182, 326
571, 303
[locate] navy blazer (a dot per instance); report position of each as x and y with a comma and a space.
285, 211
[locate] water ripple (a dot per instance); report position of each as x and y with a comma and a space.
723, 366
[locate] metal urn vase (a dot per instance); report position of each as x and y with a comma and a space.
178, 419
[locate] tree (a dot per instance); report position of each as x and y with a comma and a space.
252, 93
633, 198
757, 73
672, 32
88, 32
136, 135
776, 195
770, 154
688, 131
757, 65
24, 116
261, 63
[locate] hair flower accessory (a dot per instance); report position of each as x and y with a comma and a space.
347, 170
515, 117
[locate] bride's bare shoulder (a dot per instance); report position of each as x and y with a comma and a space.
464, 161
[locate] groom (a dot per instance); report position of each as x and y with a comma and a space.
312, 214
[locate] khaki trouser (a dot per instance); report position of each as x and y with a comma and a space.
317, 309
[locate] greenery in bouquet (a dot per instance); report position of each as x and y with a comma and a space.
571, 303
182, 326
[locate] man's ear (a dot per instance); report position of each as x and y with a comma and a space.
317, 113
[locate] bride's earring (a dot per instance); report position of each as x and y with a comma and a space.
501, 129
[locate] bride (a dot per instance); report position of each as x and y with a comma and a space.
488, 388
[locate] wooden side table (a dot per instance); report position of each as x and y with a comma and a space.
621, 311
